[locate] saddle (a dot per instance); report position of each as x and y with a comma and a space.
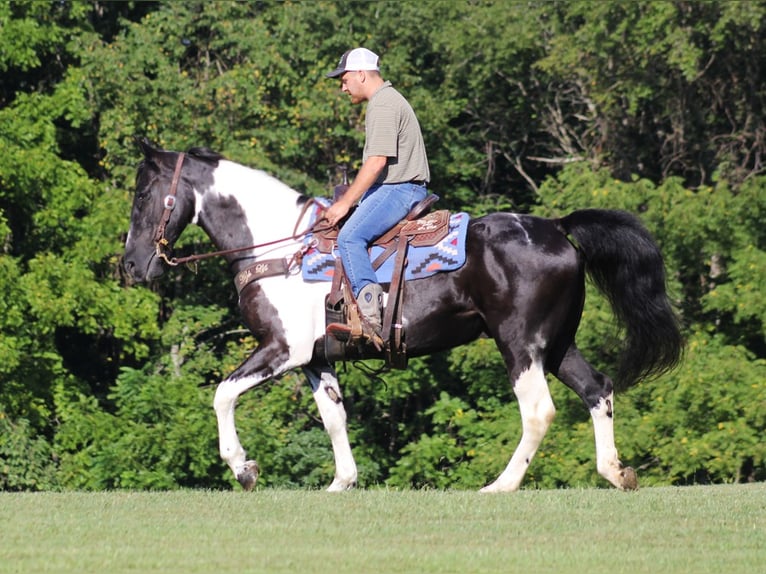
421, 227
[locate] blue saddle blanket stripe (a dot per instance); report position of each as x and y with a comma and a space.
447, 255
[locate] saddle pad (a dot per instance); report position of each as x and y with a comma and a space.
447, 255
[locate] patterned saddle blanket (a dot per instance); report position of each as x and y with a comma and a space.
448, 254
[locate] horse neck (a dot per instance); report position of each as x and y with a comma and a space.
246, 207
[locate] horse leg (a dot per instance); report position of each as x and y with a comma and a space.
267, 361
537, 413
329, 401
597, 392
224, 403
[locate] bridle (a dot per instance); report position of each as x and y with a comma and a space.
169, 203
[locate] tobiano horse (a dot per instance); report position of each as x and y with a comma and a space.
522, 284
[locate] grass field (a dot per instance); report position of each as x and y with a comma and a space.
719, 529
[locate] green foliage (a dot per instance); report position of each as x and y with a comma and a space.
649, 88
434, 459
738, 274
159, 435
654, 108
157, 431
704, 422
26, 460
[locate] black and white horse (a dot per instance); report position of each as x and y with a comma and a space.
523, 284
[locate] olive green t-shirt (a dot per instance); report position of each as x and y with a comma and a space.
392, 130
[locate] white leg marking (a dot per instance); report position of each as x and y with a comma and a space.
607, 462
537, 413
225, 402
330, 403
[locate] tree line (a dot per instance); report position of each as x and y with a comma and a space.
652, 107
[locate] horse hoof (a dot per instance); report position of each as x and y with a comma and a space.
341, 486
629, 478
249, 475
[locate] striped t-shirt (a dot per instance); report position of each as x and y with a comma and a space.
392, 130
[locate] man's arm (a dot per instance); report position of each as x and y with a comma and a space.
367, 176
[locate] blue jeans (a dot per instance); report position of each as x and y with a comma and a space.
382, 207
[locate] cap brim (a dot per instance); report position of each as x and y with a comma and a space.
336, 72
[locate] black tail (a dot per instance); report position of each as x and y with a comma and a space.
625, 263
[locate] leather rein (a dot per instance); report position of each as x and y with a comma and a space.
265, 268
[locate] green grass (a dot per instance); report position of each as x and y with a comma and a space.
658, 530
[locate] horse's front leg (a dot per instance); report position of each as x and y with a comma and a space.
226, 395
329, 401
257, 369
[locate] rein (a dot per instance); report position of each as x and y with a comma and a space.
169, 202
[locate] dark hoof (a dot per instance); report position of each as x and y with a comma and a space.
629, 479
249, 475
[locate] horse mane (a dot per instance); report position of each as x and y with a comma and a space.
205, 154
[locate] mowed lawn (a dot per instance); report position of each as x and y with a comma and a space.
715, 529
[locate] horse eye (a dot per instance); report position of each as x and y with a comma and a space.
141, 195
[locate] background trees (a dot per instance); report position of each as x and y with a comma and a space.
656, 107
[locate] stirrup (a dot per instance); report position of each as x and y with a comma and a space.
339, 331
343, 333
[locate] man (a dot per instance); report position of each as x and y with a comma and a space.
391, 181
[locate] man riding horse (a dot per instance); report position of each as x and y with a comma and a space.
391, 181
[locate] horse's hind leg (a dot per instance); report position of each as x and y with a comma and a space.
597, 392
537, 413
327, 395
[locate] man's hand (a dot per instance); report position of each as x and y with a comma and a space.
336, 212
368, 174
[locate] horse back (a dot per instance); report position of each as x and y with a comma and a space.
522, 280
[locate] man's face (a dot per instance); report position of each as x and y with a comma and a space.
352, 83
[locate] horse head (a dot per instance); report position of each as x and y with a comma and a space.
163, 205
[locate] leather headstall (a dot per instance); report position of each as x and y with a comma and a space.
169, 203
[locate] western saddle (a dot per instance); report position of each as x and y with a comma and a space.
421, 227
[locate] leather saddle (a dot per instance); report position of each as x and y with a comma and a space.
421, 227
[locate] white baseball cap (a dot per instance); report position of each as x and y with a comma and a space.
355, 60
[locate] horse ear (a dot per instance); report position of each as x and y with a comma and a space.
146, 146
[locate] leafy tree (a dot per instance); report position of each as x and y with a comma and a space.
63, 313
656, 108
26, 460
659, 89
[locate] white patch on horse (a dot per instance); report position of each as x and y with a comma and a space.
225, 403
537, 413
301, 310
520, 224
607, 462
267, 203
198, 200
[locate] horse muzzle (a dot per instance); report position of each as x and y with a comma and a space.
152, 268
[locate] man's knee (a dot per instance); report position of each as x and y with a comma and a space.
348, 242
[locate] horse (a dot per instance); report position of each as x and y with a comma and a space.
522, 284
